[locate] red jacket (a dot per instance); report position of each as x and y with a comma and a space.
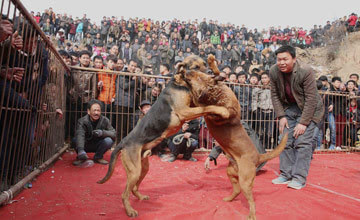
72, 29
222, 37
352, 20
273, 38
308, 40
37, 18
302, 34
286, 38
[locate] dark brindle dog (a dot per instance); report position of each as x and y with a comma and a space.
164, 119
207, 90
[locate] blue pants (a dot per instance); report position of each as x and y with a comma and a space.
98, 147
332, 127
296, 157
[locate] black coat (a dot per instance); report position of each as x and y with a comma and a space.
84, 131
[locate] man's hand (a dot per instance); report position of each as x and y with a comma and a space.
299, 130
6, 28
15, 73
100, 85
330, 108
187, 135
207, 164
59, 113
17, 41
282, 124
185, 126
97, 133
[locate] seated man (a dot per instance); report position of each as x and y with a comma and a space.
94, 133
185, 141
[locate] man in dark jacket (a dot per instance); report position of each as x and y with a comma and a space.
185, 141
124, 103
94, 133
299, 108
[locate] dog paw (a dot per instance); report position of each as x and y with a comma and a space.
132, 213
211, 58
228, 199
144, 197
225, 114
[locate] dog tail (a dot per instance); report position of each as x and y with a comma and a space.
113, 159
276, 152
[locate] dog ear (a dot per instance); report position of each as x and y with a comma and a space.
179, 80
217, 78
181, 68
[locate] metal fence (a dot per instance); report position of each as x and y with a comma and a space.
124, 92
32, 97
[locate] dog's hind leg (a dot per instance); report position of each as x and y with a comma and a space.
131, 159
232, 173
247, 172
144, 171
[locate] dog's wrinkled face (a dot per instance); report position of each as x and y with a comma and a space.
193, 72
192, 63
199, 83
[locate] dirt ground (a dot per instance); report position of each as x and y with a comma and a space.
339, 59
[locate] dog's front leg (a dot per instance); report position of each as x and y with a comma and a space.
192, 113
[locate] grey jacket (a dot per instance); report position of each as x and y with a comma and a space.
304, 90
261, 98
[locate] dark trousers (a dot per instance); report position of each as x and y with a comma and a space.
108, 112
160, 148
182, 148
350, 135
98, 147
123, 121
296, 157
340, 122
266, 129
76, 110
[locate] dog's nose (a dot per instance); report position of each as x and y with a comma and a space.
210, 72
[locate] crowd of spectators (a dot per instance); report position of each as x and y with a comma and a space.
151, 42
28, 94
153, 47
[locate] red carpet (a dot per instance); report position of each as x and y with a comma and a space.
183, 190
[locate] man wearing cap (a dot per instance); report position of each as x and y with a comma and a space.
94, 133
159, 150
144, 107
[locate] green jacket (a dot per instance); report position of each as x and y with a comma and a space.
215, 39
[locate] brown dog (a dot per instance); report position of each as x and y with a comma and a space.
165, 118
232, 137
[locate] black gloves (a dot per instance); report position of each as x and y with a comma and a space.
97, 133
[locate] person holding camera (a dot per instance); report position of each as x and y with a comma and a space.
94, 133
